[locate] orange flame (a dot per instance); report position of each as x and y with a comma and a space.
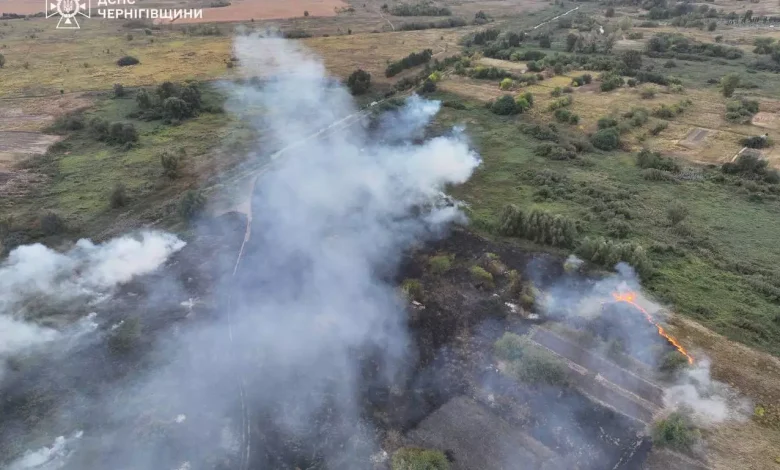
630, 298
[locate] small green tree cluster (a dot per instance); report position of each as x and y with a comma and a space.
675, 431
412, 458
359, 82
741, 110
608, 253
538, 226
647, 159
412, 60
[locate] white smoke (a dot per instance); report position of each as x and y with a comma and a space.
708, 401
35, 275
51, 457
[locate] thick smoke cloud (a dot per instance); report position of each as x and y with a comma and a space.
34, 277
311, 308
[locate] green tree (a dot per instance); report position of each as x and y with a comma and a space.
192, 204
359, 82
632, 59
676, 213
729, 83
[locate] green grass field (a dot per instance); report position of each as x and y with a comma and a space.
709, 272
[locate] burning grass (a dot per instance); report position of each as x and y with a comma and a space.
707, 271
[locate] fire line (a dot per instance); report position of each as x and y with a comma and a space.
630, 298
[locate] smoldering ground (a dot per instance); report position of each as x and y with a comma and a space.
276, 378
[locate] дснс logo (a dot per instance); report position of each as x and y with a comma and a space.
68, 10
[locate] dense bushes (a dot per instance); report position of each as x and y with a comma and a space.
412, 60
491, 73
127, 61
538, 226
741, 110
608, 253
751, 167
584, 79
441, 24
506, 105
669, 111
359, 82
411, 458
672, 45
565, 116
606, 139
559, 103
611, 81
647, 159
192, 204
419, 9
756, 141
675, 431
529, 363
169, 101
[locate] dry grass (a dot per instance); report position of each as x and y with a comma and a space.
707, 112
515, 67
71, 61
372, 52
755, 375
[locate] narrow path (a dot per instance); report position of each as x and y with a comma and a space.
555, 18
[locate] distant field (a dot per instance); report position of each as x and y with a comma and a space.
244, 10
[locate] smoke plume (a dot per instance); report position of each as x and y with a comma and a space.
283, 366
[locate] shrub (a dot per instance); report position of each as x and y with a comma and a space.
122, 133
144, 99
412, 289
419, 9
440, 263
675, 432
647, 159
676, 88
359, 82
606, 123
647, 93
51, 224
127, 61
673, 361
507, 84
176, 108
556, 92
71, 122
607, 253
119, 90
170, 164
509, 347
504, 106
676, 213
658, 127
540, 132
118, 196
428, 86
565, 116
669, 64
712, 26
654, 174
632, 82
729, 83
540, 367
192, 204
412, 60
606, 139
610, 81
756, 142
632, 59
610, 12
561, 102
99, 128
2, 61
125, 338
481, 276
411, 458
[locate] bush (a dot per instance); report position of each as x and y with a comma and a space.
610, 82
119, 90
606, 139
676, 213
729, 83
51, 224
71, 122
654, 174
670, 64
712, 26
359, 82
412, 289
127, 61
144, 99
176, 109
192, 204
756, 142
509, 347
411, 458
556, 92
504, 106
673, 361
118, 196
419, 9
122, 133
561, 102
647, 159
428, 86
540, 367
674, 432
753, 167
565, 116
440, 264
125, 338
506, 84
606, 123
170, 164
632, 82
412, 60
99, 128
481, 276
607, 253
2, 61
